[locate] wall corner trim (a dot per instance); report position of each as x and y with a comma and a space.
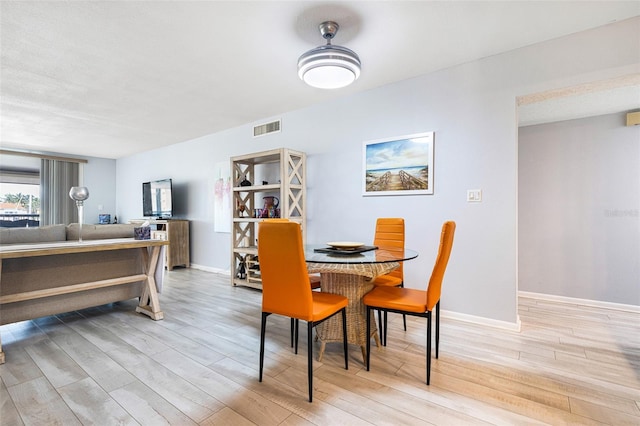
584, 302
488, 322
210, 269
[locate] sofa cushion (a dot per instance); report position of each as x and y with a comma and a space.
100, 232
41, 234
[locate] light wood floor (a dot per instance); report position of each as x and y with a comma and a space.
108, 365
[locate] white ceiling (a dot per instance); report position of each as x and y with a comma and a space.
113, 78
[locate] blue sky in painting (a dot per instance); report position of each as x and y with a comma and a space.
395, 154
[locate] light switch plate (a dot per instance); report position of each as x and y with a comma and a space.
474, 195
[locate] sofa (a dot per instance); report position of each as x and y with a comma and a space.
74, 276
52, 233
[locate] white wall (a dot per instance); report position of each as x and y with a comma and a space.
471, 108
99, 175
579, 209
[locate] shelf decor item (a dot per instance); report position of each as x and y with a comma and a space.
79, 194
142, 233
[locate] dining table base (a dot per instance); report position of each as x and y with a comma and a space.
354, 287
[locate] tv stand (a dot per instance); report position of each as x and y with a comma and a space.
176, 231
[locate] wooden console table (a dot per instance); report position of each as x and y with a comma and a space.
176, 231
50, 278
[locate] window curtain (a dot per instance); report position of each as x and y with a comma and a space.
56, 179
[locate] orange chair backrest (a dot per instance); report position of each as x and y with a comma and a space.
444, 251
390, 234
286, 289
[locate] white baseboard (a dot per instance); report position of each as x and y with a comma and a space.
445, 314
481, 320
210, 269
584, 302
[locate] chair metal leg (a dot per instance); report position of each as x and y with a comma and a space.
369, 335
310, 359
262, 332
386, 328
297, 328
428, 348
380, 327
292, 325
437, 328
404, 317
344, 337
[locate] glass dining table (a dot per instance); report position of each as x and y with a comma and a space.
351, 273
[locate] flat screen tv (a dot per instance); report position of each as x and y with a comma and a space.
157, 199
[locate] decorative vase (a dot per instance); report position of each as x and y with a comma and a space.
79, 194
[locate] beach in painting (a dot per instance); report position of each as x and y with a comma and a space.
398, 179
399, 166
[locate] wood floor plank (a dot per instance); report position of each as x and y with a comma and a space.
295, 420
40, 404
98, 365
569, 364
389, 404
147, 407
176, 390
131, 335
227, 417
89, 401
464, 404
542, 382
603, 414
8, 411
514, 403
57, 366
175, 339
232, 393
19, 367
515, 385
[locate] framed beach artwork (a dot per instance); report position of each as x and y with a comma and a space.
401, 165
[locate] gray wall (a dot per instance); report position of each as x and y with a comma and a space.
471, 108
579, 209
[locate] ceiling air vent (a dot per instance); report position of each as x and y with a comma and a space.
265, 129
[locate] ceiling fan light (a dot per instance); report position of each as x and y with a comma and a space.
329, 77
329, 66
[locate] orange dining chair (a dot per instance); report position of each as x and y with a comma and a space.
389, 234
286, 289
414, 302
314, 280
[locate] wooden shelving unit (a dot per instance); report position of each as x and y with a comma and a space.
288, 169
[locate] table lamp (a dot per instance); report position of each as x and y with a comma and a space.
79, 194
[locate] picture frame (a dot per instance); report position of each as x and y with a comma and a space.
401, 165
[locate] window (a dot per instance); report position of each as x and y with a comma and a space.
19, 198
